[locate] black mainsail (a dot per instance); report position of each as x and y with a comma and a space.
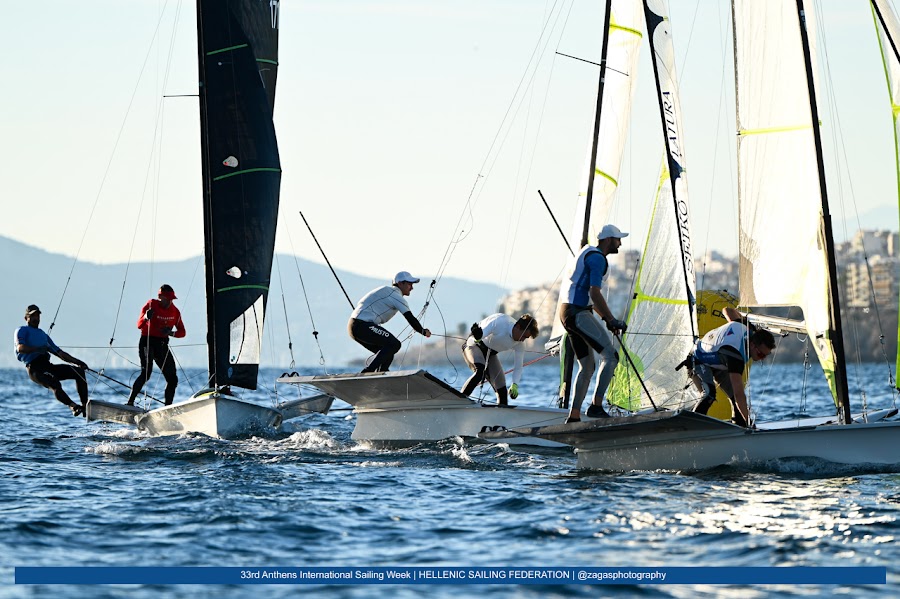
238, 63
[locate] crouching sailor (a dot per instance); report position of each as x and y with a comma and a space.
33, 348
376, 308
719, 359
494, 334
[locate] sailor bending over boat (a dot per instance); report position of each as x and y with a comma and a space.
581, 295
159, 320
33, 348
376, 308
719, 358
494, 334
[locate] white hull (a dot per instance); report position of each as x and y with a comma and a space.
689, 441
211, 414
409, 407
408, 426
876, 443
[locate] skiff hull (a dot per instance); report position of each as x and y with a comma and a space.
408, 407
689, 441
211, 414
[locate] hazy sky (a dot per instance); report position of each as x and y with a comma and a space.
385, 113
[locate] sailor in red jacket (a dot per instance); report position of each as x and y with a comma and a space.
159, 320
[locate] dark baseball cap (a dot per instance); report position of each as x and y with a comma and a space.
32, 309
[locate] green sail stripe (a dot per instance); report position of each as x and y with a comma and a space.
766, 130
249, 170
238, 287
267, 61
660, 300
606, 176
631, 30
229, 49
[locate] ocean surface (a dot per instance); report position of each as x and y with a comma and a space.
91, 494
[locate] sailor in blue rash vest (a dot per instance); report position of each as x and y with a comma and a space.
719, 358
376, 308
34, 347
581, 296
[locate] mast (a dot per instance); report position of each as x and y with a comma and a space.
671, 131
594, 142
207, 202
836, 333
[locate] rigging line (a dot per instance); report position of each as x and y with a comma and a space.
312, 321
287, 323
530, 167
476, 191
327, 261
718, 130
108, 167
157, 135
446, 352
838, 142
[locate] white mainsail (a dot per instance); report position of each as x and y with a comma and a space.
662, 321
783, 261
614, 111
888, 28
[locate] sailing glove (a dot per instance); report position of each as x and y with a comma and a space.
615, 324
514, 391
149, 313
476, 331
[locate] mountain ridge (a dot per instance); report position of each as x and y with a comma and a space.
101, 302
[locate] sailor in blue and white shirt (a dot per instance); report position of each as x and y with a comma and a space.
719, 358
581, 296
376, 308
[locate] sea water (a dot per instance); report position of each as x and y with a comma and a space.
94, 494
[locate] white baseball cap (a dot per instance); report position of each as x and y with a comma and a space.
611, 231
404, 277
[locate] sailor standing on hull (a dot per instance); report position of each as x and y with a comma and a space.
376, 308
581, 296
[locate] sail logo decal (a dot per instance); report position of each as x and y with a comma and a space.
230, 161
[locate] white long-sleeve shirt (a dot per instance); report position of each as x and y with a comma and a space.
497, 334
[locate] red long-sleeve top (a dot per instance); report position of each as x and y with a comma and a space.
162, 318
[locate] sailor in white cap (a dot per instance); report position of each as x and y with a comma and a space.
581, 295
376, 308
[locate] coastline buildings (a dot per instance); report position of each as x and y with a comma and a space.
869, 273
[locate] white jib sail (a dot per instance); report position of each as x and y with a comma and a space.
662, 322
782, 254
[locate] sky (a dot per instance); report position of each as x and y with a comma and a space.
400, 124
